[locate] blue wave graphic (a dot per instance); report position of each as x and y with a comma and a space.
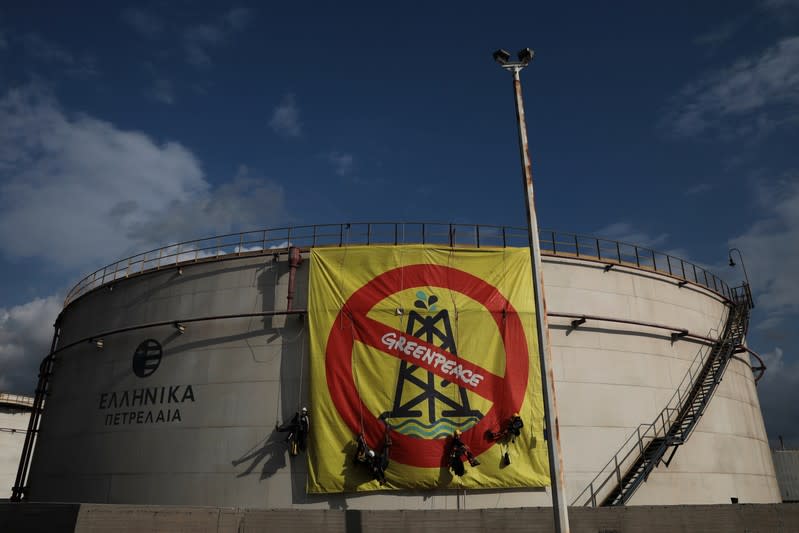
443, 427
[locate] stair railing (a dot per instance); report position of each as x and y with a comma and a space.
635, 444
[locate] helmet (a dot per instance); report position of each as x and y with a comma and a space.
515, 415
304, 410
370, 453
457, 432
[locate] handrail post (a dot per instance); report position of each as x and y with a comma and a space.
576, 246
640, 441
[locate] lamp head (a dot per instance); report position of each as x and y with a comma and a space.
501, 56
526, 55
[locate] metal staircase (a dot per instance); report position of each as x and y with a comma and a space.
647, 447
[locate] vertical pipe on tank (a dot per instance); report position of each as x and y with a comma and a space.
295, 258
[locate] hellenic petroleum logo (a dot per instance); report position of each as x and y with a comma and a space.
145, 405
146, 358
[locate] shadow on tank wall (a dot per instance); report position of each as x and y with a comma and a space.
269, 455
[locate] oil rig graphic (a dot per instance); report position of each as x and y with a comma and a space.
432, 325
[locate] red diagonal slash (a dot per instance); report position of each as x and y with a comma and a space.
371, 332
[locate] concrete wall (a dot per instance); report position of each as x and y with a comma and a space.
90, 518
14, 417
245, 375
786, 465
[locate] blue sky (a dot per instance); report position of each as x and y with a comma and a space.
126, 127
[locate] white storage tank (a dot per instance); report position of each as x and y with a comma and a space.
15, 410
173, 368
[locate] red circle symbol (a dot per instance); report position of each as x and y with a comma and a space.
505, 392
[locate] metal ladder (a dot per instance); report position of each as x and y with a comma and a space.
648, 445
20, 488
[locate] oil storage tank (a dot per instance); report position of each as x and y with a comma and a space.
172, 369
15, 412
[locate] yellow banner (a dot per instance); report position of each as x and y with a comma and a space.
424, 370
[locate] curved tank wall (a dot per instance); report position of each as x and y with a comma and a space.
199, 429
15, 411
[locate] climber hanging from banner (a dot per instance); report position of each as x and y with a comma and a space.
458, 452
298, 428
376, 463
509, 430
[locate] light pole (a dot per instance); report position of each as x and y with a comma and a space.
746, 276
741, 257
559, 505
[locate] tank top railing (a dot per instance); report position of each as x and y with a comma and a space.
273, 240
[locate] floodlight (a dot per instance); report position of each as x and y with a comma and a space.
525, 55
501, 56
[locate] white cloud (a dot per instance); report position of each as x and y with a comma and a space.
143, 22
771, 250
720, 34
51, 52
239, 18
777, 390
698, 189
780, 4
80, 192
25, 335
245, 203
162, 91
198, 40
286, 118
342, 162
751, 97
626, 232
